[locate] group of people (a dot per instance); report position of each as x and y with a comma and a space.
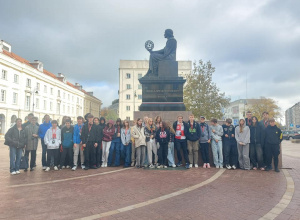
93, 143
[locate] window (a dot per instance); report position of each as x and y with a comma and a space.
58, 93
139, 86
37, 103
68, 110
72, 110
4, 74
64, 108
64, 95
51, 91
140, 75
28, 83
16, 78
27, 103
72, 98
37, 86
128, 118
58, 108
77, 100
128, 108
45, 105
127, 96
51, 106
139, 96
128, 75
3, 95
68, 96
15, 98
45, 89
128, 86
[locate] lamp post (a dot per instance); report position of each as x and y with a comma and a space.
35, 91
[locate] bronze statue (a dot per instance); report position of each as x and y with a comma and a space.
168, 53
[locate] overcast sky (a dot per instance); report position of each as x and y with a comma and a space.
85, 40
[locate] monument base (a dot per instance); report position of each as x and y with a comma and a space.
162, 106
168, 116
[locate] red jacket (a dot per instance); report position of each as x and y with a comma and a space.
108, 134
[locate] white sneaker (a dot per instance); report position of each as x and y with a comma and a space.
47, 169
63, 167
158, 167
13, 173
228, 167
165, 166
17, 172
174, 165
68, 167
221, 167
234, 167
196, 165
44, 168
55, 168
191, 165
151, 166
74, 168
82, 166
102, 165
217, 167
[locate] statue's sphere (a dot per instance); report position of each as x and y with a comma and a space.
149, 45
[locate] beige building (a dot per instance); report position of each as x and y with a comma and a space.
130, 90
27, 87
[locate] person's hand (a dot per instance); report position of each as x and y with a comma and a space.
118, 135
151, 136
241, 143
208, 141
74, 145
217, 141
96, 144
232, 135
84, 145
226, 135
213, 130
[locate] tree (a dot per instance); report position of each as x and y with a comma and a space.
258, 106
109, 114
201, 95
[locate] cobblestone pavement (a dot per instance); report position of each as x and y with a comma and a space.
117, 193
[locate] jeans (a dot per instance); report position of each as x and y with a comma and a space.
99, 154
44, 153
244, 160
105, 151
52, 153
152, 147
127, 154
163, 154
256, 155
205, 152
181, 144
66, 155
15, 155
140, 155
32, 158
193, 147
230, 153
115, 144
89, 154
272, 150
217, 153
77, 149
170, 157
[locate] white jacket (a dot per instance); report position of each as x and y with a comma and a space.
49, 140
139, 136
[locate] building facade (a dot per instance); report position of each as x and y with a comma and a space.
130, 90
292, 117
27, 87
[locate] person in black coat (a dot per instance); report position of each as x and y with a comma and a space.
273, 138
16, 140
163, 137
229, 145
257, 136
193, 136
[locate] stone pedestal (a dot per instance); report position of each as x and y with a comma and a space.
165, 115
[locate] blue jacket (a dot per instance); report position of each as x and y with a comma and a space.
67, 137
43, 129
77, 134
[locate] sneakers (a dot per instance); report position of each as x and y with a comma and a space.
74, 168
204, 165
196, 165
82, 166
228, 167
132, 164
191, 165
13, 173
102, 165
233, 167
165, 167
44, 168
208, 165
17, 172
158, 166
151, 166
221, 166
86, 168
105, 165
277, 170
63, 167
173, 165
32, 169
68, 167
187, 166
47, 169
93, 167
217, 167
178, 164
55, 168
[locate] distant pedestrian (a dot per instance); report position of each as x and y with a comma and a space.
193, 136
205, 140
242, 136
216, 143
163, 138
42, 131
16, 140
229, 145
31, 134
138, 133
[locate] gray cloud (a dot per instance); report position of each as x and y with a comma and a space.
86, 39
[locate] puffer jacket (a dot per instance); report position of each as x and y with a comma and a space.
15, 138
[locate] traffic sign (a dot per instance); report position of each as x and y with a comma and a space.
291, 125
297, 126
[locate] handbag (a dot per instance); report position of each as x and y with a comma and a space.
23, 163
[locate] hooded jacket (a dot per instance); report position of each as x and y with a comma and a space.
67, 137
257, 134
218, 132
108, 134
163, 135
50, 141
193, 131
273, 135
15, 138
77, 133
150, 131
43, 129
102, 125
139, 136
229, 130
243, 137
185, 130
205, 132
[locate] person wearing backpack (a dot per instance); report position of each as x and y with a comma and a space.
15, 139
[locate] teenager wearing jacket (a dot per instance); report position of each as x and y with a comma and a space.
181, 129
150, 133
53, 140
77, 147
229, 145
171, 159
90, 140
67, 144
126, 142
108, 133
242, 136
273, 138
42, 131
99, 147
15, 139
216, 143
205, 140
248, 119
257, 137
31, 134
193, 136
115, 144
138, 133
163, 138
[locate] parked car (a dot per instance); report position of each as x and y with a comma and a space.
288, 135
297, 135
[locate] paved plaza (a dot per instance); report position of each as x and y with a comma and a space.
117, 193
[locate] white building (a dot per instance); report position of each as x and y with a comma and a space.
292, 117
130, 90
27, 87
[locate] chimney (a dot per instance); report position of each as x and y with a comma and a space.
91, 93
5, 46
78, 86
61, 77
38, 65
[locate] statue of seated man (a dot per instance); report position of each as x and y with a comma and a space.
168, 53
